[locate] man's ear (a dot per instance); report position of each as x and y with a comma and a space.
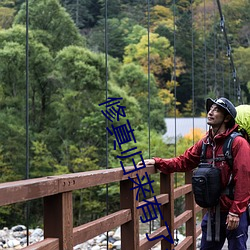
228, 118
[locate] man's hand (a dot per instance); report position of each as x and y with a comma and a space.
232, 222
147, 162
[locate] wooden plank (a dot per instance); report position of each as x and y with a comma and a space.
185, 244
167, 187
24, 190
182, 218
178, 221
145, 244
190, 205
46, 244
198, 209
98, 177
198, 231
162, 198
58, 219
129, 230
90, 230
182, 190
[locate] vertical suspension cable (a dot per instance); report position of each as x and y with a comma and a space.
192, 77
175, 107
215, 51
205, 50
106, 82
229, 84
149, 122
174, 76
222, 68
237, 87
27, 207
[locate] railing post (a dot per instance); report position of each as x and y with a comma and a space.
58, 219
129, 230
190, 205
167, 186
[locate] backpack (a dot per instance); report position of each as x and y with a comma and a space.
243, 120
206, 179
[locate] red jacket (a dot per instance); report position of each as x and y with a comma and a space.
241, 167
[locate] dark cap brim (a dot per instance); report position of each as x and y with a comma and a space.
209, 103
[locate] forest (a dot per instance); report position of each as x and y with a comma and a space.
162, 57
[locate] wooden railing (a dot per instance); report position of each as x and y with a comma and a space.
59, 232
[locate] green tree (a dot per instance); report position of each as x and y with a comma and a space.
242, 64
53, 25
6, 17
136, 83
84, 13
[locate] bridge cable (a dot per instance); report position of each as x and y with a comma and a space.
151, 224
27, 204
192, 73
176, 240
229, 54
205, 49
215, 51
106, 82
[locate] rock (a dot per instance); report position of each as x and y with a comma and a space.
3, 233
18, 228
117, 235
100, 238
38, 232
111, 240
13, 243
96, 248
111, 233
16, 238
117, 245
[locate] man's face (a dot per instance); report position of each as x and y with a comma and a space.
215, 116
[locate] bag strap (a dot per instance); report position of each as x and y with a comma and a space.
203, 152
227, 148
227, 151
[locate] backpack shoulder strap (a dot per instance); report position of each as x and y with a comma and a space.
203, 152
227, 148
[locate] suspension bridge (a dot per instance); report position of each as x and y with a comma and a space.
56, 191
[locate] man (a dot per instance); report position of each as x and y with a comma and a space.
221, 115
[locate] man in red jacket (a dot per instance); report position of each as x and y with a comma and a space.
221, 115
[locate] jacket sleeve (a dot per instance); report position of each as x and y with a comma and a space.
185, 162
241, 175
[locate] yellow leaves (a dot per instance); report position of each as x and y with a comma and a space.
166, 96
161, 16
195, 134
159, 53
171, 85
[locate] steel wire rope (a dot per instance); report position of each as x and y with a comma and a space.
149, 121
192, 73
174, 80
175, 95
221, 45
205, 48
215, 51
27, 206
106, 83
221, 68
237, 88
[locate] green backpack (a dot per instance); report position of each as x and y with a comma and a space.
243, 120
